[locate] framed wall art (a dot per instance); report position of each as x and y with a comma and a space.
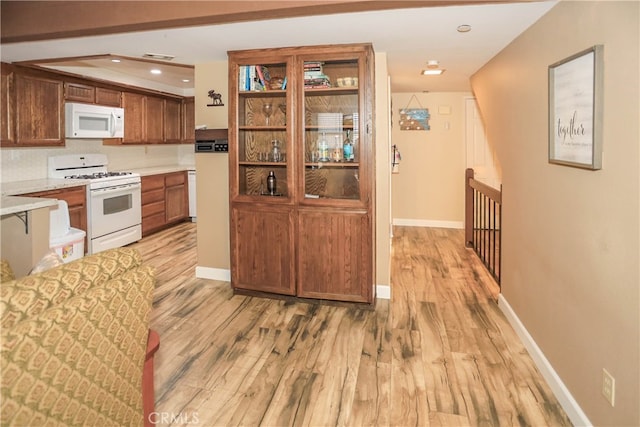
575, 110
414, 118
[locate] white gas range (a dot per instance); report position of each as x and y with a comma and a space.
114, 209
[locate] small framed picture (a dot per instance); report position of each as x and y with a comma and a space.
575, 110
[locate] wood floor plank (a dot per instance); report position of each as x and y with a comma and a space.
439, 353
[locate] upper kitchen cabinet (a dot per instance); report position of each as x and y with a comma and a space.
188, 134
39, 111
78, 92
151, 119
154, 120
7, 130
32, 109
134, 116
33, 114
172, 121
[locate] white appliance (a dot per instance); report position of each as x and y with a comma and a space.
114, 208
93, 121
192, 195
66, 241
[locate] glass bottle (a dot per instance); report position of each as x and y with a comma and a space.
337, 150
271, 183
275, 151
323, 148
347, 148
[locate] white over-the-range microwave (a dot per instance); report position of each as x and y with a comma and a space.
93, 121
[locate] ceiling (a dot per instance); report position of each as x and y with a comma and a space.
409, 37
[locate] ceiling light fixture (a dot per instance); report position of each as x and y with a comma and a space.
432, 72
156, 71
464, 28
185, 80
116, 60
433, 69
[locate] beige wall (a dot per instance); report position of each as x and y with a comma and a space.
383, 170
571, 236
212, 170
429, 187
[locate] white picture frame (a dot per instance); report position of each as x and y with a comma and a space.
575, 109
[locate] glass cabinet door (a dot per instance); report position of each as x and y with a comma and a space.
263, 137
331, 114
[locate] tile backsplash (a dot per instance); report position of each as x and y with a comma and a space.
31, 163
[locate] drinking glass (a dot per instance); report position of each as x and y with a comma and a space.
267, 109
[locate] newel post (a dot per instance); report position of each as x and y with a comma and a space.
468, 208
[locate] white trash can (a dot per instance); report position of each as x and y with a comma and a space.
68, 242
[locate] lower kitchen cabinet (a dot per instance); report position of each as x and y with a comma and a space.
176, 197
153, 203
165, 201
76, 198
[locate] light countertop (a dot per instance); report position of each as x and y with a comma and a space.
12, 204
155, 170
15, 188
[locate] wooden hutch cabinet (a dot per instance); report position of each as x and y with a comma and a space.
304, 116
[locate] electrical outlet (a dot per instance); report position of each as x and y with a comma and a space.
608, 387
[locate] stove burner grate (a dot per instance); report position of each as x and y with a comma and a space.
97, 175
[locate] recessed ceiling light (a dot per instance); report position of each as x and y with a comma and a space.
156, 71
185, 80
432, 72
433, 68
115, 60
464, 28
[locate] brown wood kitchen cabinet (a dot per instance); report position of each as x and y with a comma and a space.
311, 236
79, 92
143, 119
32, 108
151, 120
188, 134
76, 198
39, 111
154, 120
134, 118
7, 125
165, 201
172, 121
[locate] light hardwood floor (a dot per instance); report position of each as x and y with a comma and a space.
439, 353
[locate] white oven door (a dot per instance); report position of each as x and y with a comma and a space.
115, 209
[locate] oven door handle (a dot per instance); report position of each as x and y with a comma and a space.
116, 189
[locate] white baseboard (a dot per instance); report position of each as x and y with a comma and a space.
568, 403
383, 292
213, 273
428, 223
